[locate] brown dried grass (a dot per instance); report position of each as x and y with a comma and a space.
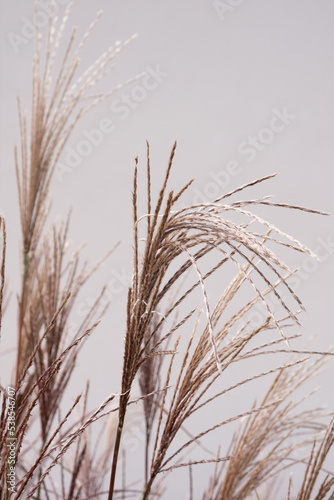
181, 368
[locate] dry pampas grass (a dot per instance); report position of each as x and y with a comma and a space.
181, 346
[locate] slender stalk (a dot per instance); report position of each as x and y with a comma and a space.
147, 443
122, 411
22, 308
148, 488
114, 461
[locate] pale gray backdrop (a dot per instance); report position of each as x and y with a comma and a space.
221, 73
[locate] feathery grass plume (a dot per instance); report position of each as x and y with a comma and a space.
190, 234
57, 105
54, 340
82, 471
47, 372
59, 444
315, 469
47, 343
24, 413
91, 461
52, 296
55, 449
263, 446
